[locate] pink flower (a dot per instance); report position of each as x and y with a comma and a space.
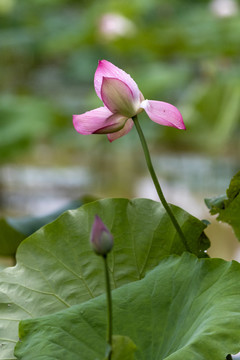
101, 239
122, 100
114, 25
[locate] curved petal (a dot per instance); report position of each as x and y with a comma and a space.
163, 113
107, 69
125, 130
98, 121
118, 97
113, 124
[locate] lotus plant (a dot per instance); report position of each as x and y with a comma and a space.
123, 101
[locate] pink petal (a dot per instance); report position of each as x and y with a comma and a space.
163, 113
118, 97
98, 121
107, 69
125, 130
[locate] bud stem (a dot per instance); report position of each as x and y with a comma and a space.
109, 306
157, 185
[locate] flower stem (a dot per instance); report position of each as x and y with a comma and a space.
156, 183
109, 307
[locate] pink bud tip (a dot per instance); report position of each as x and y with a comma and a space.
101, 239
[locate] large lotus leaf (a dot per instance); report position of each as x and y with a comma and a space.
186, 308
13, 230
228, 206
56, 267
122, 348
10, 238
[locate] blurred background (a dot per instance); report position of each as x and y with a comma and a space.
183, 52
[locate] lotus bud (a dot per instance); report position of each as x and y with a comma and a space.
101, 239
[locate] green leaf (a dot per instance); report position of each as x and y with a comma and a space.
56, 267
228, 207
10, 238
171, 314
28, 225
216, 203
234, 188
14, 230
122, 348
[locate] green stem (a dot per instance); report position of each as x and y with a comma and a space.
109, 306
156, 183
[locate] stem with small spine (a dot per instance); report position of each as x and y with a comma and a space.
156, 182
109, 307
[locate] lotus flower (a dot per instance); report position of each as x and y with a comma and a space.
114, 25
101, 239
122, 101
